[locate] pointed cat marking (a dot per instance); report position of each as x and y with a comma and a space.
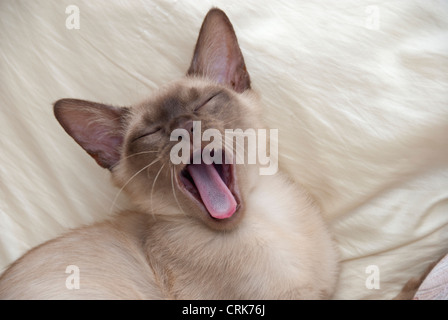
220, 59
84, 119
269, 242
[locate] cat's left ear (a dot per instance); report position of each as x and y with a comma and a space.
97, 128
217, 55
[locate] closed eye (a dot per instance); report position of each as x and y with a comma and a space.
206, 101
146, 133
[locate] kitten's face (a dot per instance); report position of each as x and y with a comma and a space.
158, 185
134, 142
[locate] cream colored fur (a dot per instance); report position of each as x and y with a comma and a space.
362, 114
274, 245
281, 250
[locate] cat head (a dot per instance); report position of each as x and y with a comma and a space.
136, 143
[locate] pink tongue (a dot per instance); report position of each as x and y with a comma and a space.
215, 195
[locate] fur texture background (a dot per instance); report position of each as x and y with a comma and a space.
357, 89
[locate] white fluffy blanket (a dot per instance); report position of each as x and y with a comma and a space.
357, 89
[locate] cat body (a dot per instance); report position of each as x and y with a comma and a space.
198, 231
134, 256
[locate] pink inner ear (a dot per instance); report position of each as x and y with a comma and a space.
217, 54
104, 148
97, 128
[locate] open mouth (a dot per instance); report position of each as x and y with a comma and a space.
212, 186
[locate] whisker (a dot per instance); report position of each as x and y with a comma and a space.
234, 153
138, 153
127, 182
231, 147
172, 187
153, 184
231, 121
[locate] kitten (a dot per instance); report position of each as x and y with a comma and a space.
198, 231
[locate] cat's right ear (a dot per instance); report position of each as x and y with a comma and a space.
217, 55
97, 128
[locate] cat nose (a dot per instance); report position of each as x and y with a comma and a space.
184, 123
187, 125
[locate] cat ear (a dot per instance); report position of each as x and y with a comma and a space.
96, 127
217, 54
